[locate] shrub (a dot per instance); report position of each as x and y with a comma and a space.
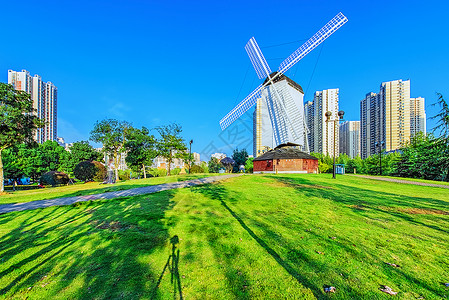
158, 172
196, 169
124, 174
175, 171
90, 171
54, 178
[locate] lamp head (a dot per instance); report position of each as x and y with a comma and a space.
328, 114
341, 114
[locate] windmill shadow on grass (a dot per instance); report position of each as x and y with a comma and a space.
172, 266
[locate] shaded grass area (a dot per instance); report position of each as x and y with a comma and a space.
90, 188
251, 237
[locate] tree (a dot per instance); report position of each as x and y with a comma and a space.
171, 144
249, 165
79, 151
140, 147
214, 165
442, 117
112, 134
240, 158
17, 120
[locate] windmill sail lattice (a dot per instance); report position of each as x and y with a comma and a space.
286, 116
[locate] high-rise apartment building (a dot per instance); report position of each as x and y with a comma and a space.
44, 96
350, 138
386, 117
417, 116
321, 133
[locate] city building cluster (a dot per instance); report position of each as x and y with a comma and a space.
388, 120
45, 101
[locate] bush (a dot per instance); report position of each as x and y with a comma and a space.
90, 171
54, 178
157, 172
196, 169
124, 174
175, 171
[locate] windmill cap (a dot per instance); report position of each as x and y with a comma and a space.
283, 77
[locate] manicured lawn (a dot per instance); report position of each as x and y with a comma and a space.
250, 237
90, 188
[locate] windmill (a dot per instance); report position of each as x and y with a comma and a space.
286, 116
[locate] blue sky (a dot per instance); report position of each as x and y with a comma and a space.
157, 62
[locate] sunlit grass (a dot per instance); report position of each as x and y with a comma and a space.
251, 237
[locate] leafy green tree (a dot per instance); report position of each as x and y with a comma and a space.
214, 165
51, 155
78, 152
171, 144
356, 164
204, 166
249, 165
240, 158
17, 120
112, 134
140, 147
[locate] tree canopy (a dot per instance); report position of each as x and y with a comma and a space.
171, 145
140, 149
112, 134
17, 120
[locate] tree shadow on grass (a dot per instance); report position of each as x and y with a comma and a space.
362, 201
87, 251
295, 260
218, 192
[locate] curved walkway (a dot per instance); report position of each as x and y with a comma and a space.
403, 181
6, 208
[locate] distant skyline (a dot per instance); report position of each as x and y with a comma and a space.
153, 63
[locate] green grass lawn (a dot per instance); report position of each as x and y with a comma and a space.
90, 188
250, 237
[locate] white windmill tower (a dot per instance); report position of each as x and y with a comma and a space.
278, 93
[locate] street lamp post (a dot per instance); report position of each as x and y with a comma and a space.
336, 121
381, 146
190, 155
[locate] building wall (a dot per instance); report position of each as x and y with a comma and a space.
44, 96
417, 116
350, 138
287, 166
321, 133
390, 116
396, 97
263, 165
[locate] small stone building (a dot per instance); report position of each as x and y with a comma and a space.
285, 159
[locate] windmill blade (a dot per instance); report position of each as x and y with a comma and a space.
319, 37
257, 59
241, 108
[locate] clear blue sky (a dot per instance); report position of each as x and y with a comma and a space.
157, 62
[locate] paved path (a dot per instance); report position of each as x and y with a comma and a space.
403, 181
6, 208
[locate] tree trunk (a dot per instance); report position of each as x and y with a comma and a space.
144, 171
116, 167
2, 187
169, 163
